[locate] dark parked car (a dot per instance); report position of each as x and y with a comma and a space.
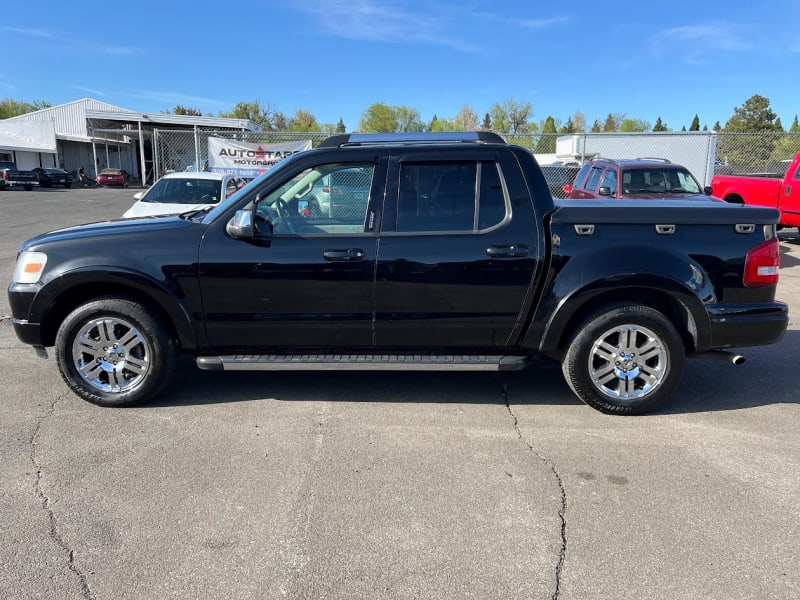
653, 178
113, 177
560, 177
48, 177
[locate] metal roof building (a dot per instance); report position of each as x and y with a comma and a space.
96, 134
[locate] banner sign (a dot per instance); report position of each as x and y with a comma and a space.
248, 160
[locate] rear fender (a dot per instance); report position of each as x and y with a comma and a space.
677, 301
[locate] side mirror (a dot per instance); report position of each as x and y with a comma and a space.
708, 190
138, 195
604, 190
241, 225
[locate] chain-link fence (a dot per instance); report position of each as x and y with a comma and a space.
186, 150
704, 153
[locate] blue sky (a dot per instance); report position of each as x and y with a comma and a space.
337, 57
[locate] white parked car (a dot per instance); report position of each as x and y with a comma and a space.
181, 192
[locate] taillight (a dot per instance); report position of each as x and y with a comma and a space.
762, 263
567, 187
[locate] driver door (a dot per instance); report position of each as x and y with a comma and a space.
306, 280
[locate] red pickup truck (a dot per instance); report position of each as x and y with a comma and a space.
764, 190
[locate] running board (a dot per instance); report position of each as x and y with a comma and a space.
361, 362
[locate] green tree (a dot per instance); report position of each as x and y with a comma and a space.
182, 110
660, 125
279, 121
303, 120
754, 115
442, 124
630, 125
512, 117
13, 108
340, 128
547, 142
789, 144
378, 118
695, 126
568, 127
466, 119
408, 119
256, 111
745, 151
579, 121
717, 126
613, 122
487, 122
596, 127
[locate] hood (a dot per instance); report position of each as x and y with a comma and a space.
155, 209
662, 196
116, 228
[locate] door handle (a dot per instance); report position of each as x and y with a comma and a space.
343, 255
510, 251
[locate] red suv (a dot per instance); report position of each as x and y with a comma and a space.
639, 178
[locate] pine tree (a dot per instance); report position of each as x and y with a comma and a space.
695, 126
660, 125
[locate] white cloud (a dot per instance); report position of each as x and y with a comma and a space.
696, 43
375, 20
41, 33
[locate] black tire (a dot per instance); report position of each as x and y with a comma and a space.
28, 188
113, 352
624, 359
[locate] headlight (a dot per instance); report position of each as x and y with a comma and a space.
30, 266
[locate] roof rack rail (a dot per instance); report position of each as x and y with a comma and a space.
445, 137
655, 158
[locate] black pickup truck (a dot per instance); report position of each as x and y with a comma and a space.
426, 252
11, 177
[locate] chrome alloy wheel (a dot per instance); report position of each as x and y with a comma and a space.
111, 355
628, 362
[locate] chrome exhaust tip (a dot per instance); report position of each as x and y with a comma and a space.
731, 357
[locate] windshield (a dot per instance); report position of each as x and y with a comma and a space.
185, 191
659, 181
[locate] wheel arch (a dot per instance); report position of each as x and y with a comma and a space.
683, 309
63, 295
734, 198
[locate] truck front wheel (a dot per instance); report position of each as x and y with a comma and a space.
624, 359
113, 352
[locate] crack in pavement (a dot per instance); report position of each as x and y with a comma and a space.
45, 500
562, 513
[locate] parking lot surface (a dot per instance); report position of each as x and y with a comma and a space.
394, 485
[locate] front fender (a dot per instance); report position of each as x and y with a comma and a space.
60, 295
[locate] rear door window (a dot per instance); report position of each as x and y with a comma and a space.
461, 196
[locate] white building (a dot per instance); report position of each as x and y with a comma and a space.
95, 135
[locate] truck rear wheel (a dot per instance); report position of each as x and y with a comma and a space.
113, 352
624, 359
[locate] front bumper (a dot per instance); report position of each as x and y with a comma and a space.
26, 323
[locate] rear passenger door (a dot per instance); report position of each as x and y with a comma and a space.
453, 266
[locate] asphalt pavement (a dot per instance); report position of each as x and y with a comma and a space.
393, 485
